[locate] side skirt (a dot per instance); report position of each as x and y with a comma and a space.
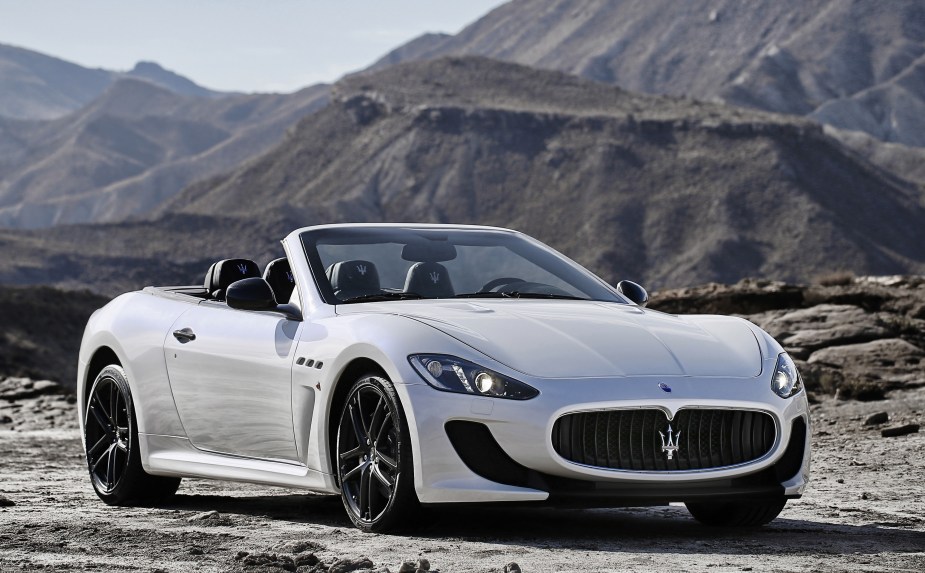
176, 456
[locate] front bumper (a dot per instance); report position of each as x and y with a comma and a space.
473, 449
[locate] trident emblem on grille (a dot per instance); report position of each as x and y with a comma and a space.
671, 445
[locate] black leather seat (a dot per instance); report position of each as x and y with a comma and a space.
430, 280
353, 278
223, 273
279, 274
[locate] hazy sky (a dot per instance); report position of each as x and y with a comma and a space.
243, 45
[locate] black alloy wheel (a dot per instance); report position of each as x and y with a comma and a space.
108, 434
111, 441
373, 457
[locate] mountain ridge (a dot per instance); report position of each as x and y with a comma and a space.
665, 191
34, 85
851, 64
131, 148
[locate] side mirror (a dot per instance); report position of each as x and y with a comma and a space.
634, 292
250, 294
257, 294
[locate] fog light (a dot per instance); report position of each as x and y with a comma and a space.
484, 382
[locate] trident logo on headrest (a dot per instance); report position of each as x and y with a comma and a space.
289, 276
671, 446
243, 268
435, 277
361, 269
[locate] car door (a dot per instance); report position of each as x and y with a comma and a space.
231, 376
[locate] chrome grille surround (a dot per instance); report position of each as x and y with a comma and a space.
628, 440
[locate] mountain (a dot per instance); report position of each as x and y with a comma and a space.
134, 146
667, 191
36, 86
853, 64
154, 73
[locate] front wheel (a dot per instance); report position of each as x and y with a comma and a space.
111, 440
374, 466
736, 514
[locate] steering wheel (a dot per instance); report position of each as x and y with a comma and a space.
493, 284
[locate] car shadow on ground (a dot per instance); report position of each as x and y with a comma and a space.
641, 530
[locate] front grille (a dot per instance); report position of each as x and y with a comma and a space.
630, 439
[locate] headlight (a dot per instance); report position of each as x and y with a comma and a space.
786, 381
452, 374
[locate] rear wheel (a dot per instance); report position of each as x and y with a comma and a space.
373, 457
736, 514
111, 441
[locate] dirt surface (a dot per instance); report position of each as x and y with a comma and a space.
864, 511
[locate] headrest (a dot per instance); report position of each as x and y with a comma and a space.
428, 251
279, 274
223, 273
430, 280
353, 278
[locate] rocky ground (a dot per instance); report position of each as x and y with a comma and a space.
862, 512
859, 342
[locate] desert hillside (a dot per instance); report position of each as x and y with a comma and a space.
853, 64
38, 86
666, 191
670, 191
132, 148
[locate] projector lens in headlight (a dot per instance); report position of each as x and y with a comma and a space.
484, 382
435, 368
452, 374
786, 381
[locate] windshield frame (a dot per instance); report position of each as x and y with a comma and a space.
310, 237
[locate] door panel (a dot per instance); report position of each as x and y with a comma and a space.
231, 376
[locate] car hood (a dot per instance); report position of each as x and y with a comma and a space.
568, 339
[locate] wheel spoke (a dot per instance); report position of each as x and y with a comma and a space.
100, 405
388, 461
111, 467
371, 485
362, 416
91, 453
364, 494
103, 455
382, 478
354, 453
383, 426
101, 421
375, 421
349, 475
356, 420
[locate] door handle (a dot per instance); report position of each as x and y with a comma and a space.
184, 335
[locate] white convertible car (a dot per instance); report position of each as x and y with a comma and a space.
409, 366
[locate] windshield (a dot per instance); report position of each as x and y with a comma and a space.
366, 264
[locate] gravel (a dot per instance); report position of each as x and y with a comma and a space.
860, 513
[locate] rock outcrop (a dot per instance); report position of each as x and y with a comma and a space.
857, 339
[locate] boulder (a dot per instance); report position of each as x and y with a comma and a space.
803, 331
895, 362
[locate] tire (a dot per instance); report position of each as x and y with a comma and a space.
373, 458
736, 514
111, 442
